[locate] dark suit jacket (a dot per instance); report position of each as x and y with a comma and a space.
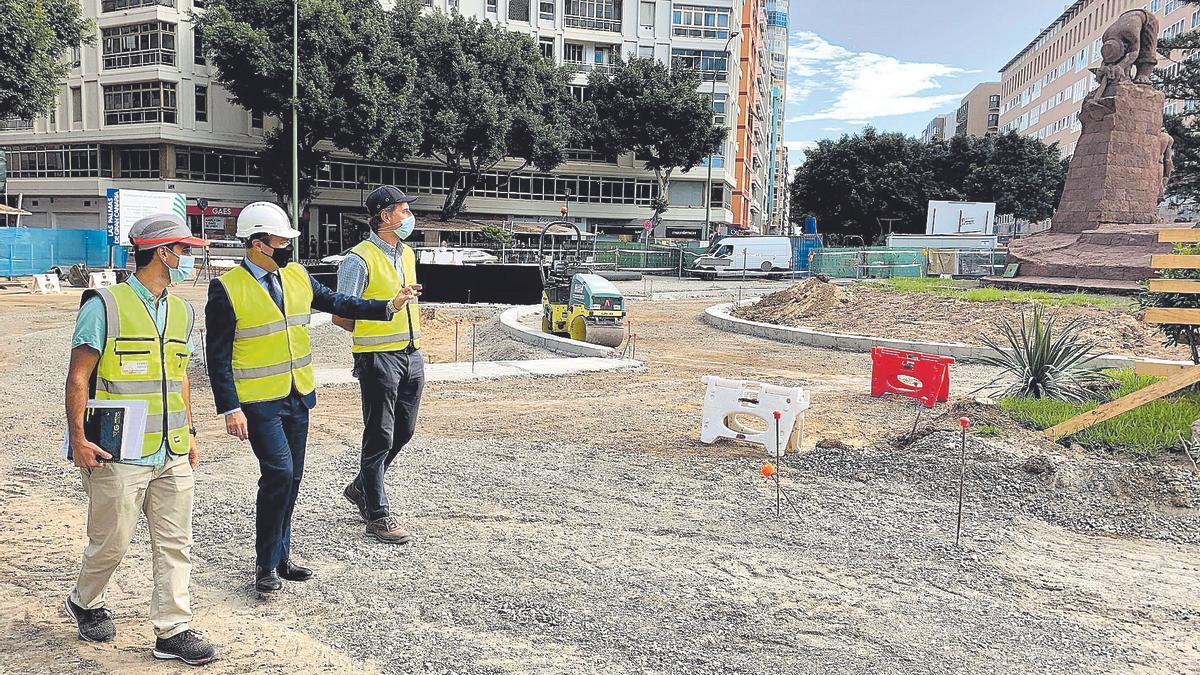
220, 322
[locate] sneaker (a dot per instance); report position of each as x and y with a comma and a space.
95, 625
358, 499
188, 646
387, 529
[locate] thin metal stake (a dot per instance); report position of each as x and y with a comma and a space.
778, 465
920, 409
472, 346
962, 480
456, 324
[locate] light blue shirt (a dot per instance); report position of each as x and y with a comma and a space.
91, 329
352, 273
260, 275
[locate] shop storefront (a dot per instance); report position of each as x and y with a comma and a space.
214, 222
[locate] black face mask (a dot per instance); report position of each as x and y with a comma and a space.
282, 256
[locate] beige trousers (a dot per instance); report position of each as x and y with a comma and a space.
117, 495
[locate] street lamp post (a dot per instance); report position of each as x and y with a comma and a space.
295, 120
712, 116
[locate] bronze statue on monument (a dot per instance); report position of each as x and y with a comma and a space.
1105, 228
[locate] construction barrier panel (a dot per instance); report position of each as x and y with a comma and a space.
725, 400
44, 284
879, 262
925, 377
37, 250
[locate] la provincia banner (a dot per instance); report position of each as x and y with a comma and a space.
126, 207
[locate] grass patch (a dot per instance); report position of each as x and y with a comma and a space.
1150, 430
950, 289
989, 431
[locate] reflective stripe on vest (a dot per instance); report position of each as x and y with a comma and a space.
271, 349
139, 364
383, 282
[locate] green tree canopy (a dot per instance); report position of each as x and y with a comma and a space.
354, 81
486, 94
36, 37
657, 113
1179, 78
853, 183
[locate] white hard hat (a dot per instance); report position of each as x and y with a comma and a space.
265, 217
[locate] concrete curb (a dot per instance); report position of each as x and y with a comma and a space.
719, 317
510, 323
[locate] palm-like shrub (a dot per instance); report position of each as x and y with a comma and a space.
1041, 359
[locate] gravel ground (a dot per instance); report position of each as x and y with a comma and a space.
575, 525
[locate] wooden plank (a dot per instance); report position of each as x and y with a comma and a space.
1159, 369
1175, 262
1124, 404
1174, 286
1187, 235
1173, 315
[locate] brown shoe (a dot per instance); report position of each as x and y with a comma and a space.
358, 499
387, 529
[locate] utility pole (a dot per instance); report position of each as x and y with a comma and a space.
295, 122
712, 116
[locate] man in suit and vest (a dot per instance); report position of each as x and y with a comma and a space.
387, 359
132, 342
260, 366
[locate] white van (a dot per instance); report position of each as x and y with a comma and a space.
748, 256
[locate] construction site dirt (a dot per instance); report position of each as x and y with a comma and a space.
578, 525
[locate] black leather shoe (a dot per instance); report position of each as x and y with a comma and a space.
266, 581
293, 572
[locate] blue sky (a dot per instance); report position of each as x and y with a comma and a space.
895, 64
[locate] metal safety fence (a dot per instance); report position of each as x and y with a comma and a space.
37, 250
868, 263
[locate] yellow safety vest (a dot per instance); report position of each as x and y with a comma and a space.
383, 283
271, 351
138, 364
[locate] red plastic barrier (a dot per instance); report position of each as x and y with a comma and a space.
925, 377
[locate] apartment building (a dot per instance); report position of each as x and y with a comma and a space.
979, 112
1042, 87
140, 110
777, 170
751, 160
940, 128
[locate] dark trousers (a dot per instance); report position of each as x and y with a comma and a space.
391, 384
278, 435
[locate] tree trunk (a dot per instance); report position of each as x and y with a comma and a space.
462, 187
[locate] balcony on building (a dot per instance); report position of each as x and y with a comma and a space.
598, 15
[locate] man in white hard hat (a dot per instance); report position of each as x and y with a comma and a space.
260, 366
131, 345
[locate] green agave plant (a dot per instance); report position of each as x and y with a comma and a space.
1044, 360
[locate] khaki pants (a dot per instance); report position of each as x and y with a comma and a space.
117, 495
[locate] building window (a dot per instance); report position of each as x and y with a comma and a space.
491, 6
646, 15
572, 53
198, 48
139, 161
117, 5
602, 56
700, 22
546, 46
58, 161
646, 52
602, 15
216, 166
139, 44
719, 101
77, 105
994, 101
256, 120
712, 65
546, 10
518, 10
15, 123
139, 102
201, 103
993, 120
76, 56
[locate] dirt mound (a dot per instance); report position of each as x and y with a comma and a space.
806, 298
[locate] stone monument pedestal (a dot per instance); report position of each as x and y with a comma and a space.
1106, 226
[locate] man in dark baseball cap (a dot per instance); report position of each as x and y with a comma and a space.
132, 343
387, 356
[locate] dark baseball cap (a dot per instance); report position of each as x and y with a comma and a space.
384, 196
161, 229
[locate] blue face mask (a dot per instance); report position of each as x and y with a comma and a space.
406, 227
182, 271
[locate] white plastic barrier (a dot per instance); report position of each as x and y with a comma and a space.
45, 283
102, 279
725, 399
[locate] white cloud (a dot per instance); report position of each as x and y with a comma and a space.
797, 150
862, 86
832, 130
